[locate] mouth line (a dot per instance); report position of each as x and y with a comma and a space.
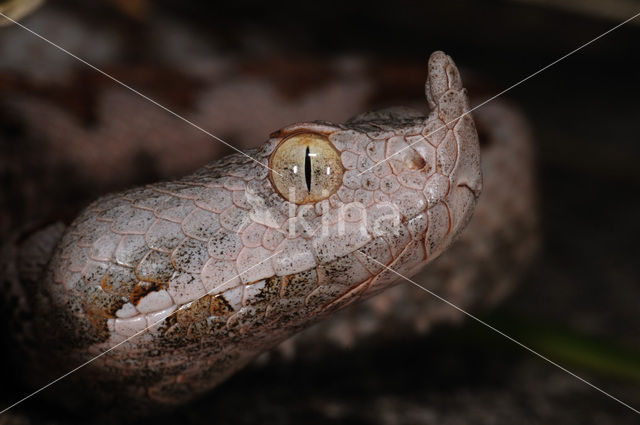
476, 192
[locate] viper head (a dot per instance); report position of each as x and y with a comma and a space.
391, 188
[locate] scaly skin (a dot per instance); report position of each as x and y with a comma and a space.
226, 268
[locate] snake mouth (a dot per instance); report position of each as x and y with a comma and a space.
379, 267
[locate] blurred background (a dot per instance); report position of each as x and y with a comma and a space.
244, 68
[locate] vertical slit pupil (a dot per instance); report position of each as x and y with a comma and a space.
307, 169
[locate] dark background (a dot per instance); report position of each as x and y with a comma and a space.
578, 303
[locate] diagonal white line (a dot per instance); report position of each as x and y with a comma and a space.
131, 337
238, 150
482, 322
577, 49
175, 114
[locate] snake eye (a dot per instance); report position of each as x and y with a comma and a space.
307, 168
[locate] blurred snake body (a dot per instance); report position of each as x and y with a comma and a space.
190, 279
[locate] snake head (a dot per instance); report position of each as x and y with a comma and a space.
388, 189
200, 274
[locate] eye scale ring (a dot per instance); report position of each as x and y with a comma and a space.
320, 160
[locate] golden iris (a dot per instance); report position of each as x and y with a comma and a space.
308, 168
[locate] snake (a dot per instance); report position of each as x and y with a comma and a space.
167, 290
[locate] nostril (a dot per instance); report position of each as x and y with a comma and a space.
416, 162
